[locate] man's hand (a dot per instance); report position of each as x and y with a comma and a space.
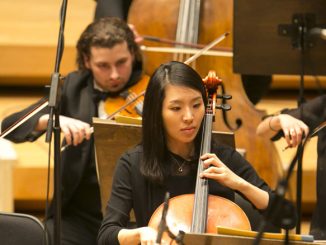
75, 131
138, 38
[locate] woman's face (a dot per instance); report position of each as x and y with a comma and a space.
183, 110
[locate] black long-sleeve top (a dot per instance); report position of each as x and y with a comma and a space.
130, 190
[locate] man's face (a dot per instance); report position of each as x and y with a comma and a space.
111, 67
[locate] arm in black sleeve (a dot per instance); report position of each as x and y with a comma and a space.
119, 205
244, 169
312, 113
25, 132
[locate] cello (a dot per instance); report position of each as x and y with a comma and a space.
201, 212
200, 21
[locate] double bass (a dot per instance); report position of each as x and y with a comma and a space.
200, 21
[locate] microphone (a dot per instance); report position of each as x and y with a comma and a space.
318, 32
162, 225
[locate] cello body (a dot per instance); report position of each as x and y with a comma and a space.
221, 212
161, 20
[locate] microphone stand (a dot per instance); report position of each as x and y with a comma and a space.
302, 44
277, 204
54, 102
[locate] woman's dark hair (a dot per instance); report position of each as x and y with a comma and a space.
153, 137
105, 33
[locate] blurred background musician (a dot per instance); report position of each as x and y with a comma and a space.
293, 125
109, 61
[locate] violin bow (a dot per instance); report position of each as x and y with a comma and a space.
223, 52
206, 48
24, 119
192, 45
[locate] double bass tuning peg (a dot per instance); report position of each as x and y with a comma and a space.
224, 96
224, 107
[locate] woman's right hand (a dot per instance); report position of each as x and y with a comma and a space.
142, 235
74, 130
147, 236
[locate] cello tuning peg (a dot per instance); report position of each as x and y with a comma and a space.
224, 107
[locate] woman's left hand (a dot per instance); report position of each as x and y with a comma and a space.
215, 169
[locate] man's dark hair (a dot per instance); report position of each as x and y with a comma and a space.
105, 33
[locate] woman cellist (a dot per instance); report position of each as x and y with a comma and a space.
166, 160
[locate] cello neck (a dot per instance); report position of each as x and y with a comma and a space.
199, 218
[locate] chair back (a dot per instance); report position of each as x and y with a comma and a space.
17, 229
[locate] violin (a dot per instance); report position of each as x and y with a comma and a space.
201, 212
134, 109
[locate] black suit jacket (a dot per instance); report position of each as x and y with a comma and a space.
76, 102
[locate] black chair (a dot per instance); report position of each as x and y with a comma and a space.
17, 229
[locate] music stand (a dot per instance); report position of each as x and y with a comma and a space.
266, 38
276, 37
216, 239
